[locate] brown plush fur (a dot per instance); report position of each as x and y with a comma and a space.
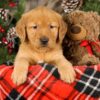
90, 21
34, 25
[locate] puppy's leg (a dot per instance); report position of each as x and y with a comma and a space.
19, 74
65, 69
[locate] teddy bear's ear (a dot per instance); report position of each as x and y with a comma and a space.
77, 32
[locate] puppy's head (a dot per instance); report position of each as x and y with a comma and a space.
42, 28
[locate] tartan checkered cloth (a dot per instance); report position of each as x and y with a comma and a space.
43, 83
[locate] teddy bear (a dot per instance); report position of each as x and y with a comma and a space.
81, 45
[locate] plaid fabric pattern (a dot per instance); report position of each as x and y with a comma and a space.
43, 83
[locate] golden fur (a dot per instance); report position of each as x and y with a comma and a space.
41, 22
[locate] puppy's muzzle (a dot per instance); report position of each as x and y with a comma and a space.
44, 41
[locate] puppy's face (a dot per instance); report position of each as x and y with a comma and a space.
42, 28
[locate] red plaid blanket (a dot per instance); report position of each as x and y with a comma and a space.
43, 83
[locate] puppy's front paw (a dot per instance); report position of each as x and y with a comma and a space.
19, 77
67, 74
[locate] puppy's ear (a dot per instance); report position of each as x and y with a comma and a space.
62, 30
20, 29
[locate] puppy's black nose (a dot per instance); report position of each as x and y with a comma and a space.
44, 40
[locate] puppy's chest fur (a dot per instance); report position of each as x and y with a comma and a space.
41, 56
48, 57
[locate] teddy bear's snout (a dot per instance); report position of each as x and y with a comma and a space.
75, 29
77, 32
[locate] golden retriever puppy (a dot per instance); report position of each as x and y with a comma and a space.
41, 32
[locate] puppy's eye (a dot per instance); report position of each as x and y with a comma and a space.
35, 27
52, 26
